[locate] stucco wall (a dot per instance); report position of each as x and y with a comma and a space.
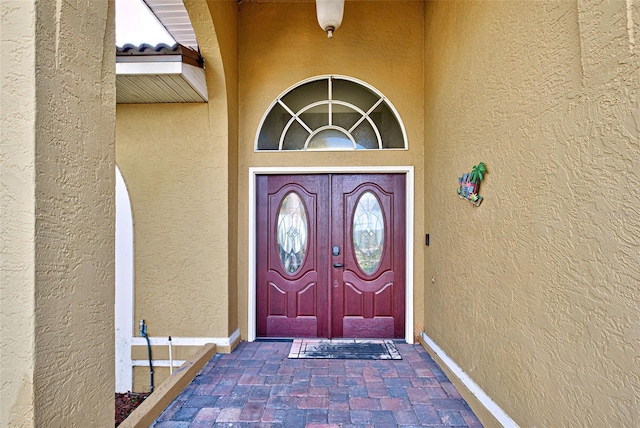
281, 44
224, 14
183, 166
179, 163
170, 163
17, 216
57, 288
535, 292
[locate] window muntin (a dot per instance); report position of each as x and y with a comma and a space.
271, 129
330, 138
325, 112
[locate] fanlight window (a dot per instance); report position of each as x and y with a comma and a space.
291, 231
331, 113
368, 233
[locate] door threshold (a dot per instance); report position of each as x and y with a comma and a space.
357, 339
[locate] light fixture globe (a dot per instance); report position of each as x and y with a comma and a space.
329, 15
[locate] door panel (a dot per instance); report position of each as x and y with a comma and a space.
292, 300
357, 293
368, 299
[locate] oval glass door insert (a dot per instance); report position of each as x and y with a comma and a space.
292, 230
368, 232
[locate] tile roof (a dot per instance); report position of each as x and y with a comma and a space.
146, 52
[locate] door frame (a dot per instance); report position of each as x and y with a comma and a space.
409, 241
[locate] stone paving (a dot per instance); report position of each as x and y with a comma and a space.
258, 386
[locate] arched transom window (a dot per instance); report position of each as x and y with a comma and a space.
331, 113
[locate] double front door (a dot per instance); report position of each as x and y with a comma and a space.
331, 255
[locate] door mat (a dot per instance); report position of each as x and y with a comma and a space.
344, 349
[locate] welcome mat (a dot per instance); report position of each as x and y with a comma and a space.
344, 349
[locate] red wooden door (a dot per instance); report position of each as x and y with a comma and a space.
291, 231
367, 292
330, 255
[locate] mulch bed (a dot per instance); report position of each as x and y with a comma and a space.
127, 403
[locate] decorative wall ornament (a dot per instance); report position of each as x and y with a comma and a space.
469, 184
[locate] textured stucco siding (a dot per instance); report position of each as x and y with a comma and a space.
179, 163
224, 14
17, 215
58, 160
172, 166
536, 291
281, 44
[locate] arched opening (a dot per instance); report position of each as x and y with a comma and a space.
124, 286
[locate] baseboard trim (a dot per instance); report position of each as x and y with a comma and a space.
472, 388
234, 339
187, 341
157, 363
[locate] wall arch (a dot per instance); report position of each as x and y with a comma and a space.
123, 310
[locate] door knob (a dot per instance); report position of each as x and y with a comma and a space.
338, 265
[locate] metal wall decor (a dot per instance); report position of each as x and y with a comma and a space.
469, 184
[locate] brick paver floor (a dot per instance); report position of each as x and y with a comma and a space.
258, 386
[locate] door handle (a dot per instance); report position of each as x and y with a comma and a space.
338, 265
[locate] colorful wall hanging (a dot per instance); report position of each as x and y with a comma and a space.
469, 184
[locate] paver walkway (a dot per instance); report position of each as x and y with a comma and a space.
257, 385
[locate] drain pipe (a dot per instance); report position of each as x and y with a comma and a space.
143, 333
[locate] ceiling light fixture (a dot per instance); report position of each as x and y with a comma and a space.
329, 15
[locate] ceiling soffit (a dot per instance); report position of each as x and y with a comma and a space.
159, 74
174, 17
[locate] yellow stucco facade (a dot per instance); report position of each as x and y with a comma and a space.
533, 294
57, 214
267, 70
536, 291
